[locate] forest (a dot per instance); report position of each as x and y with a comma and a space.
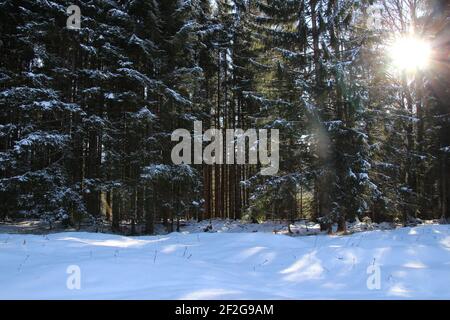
358, 90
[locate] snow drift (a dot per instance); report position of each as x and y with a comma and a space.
410, 263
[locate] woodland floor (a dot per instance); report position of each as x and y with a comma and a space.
233, 263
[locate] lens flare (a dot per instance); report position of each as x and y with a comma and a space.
410, 54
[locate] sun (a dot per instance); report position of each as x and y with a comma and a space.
410, 54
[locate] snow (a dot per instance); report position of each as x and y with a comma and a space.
43, 138
144, 114
177, 97
118, 14
236, 226
413, 263
445, 149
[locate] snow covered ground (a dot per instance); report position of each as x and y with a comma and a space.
300, 227
410, 263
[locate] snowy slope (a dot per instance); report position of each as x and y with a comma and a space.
413, 263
